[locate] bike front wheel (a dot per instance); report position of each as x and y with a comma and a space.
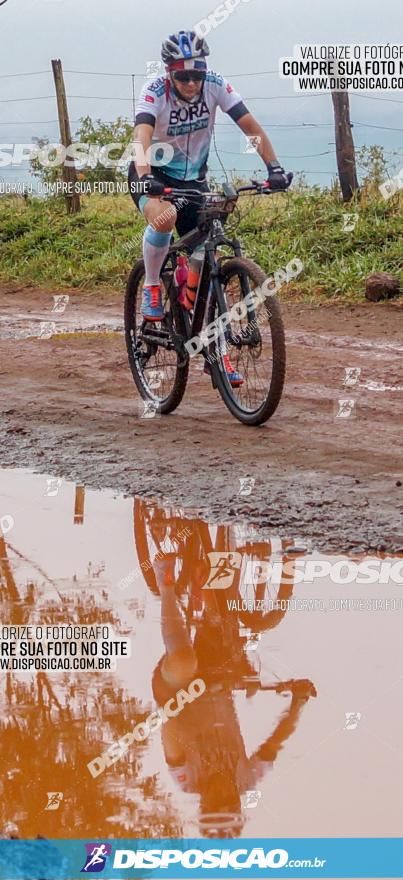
159, 372
253, 341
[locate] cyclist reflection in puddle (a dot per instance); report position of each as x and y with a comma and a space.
203, 744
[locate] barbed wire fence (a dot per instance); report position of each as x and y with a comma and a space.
224, 129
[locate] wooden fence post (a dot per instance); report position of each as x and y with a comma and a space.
69, 174
345, 152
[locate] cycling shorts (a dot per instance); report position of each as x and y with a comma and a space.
187, 214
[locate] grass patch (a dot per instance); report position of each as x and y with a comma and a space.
41, 245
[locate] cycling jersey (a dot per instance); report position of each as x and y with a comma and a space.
187, 127
210, 737
207, 735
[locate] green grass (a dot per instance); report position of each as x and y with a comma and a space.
41, 245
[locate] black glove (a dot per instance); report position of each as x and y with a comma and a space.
277, 179
301, 688
150, 186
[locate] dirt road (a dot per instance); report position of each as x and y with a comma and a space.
70, 409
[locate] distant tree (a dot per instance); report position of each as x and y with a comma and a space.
90, 167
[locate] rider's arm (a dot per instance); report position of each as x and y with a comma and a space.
146, 114
301, 692
143, 135
251, 128
231, 102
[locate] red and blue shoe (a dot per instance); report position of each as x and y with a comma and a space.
151, 306
235, 379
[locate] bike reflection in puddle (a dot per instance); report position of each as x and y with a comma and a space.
210, 634
52, 726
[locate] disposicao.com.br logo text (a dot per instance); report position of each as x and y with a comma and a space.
189, 859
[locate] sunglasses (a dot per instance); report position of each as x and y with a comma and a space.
185, 76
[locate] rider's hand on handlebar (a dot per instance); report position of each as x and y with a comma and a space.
301, 688
150, 186
277, 180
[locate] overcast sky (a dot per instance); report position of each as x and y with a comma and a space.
121, 36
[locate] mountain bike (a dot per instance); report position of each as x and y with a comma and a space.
227, 641
199, 547
250, 331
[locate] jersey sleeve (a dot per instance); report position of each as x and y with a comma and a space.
146, 105
230, 101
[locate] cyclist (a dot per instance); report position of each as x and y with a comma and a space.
203, 744
178, 110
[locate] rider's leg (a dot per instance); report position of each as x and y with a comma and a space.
180, 663
156, 241
161, 218
173, 627
161, 221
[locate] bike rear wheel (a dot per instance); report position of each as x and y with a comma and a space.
160, 373
151, 532
254, 343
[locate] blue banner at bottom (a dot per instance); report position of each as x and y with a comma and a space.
185, 858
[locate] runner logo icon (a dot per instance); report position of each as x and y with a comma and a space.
97, 854
223, 568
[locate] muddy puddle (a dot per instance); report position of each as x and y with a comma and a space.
24, 326
380, 349
241, 698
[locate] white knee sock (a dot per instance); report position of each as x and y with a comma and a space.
155, 248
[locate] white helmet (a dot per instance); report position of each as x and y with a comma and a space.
183, 46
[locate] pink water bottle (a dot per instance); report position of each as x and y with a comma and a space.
181, 275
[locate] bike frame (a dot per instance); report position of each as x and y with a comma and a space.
210, 270
210, 233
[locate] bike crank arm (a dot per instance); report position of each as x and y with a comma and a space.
158, 337
252, 339
158, 340
170, 340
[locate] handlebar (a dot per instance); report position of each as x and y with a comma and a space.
265, 188
227, 192
299, 687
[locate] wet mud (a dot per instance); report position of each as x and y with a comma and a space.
294, 724
70, 408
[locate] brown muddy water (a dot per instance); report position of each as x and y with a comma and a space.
296, 722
